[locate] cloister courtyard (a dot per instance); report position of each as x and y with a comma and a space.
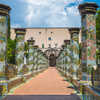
70, 71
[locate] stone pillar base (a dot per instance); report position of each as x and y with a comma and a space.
24, 79
4, 88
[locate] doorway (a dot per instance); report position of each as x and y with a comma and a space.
52, 60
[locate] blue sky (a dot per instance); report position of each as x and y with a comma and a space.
45, 13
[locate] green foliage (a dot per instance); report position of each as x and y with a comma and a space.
98, 26
11, 45
8, 35
97, 56
26, 49
98, 31
26, 46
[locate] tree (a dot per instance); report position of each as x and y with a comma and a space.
98, 26
8, 35
26, 49
11, 45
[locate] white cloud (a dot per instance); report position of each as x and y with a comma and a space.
15, 26
49, 13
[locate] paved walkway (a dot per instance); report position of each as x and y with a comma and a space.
49, 85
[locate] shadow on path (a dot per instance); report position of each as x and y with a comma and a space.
42, 97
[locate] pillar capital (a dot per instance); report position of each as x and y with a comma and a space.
67, 42
21, 31
30, 41
35, 46
61, 50
88, 7
4, 9
74, 30
39, 50
63, 46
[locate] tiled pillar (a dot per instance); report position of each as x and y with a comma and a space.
4, 13
68, 55
65, 57
61, 59
35, 58
88, 57
19, 56
63, 54
75, 49
41, 61
30, 54
39, 58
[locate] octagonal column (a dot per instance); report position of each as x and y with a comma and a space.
4, 13
65, 57
39, 59
88, 57
74, 49
35, 57
68, 55
63, 54
19, 57
61, 59
30, 54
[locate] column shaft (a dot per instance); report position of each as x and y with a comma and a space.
30, 54
4, 13
68, 56
35, 58
88, 57
19, 60
74, 49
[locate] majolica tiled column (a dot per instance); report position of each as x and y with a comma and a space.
35, 58
75, 49
19, 56
4, 13
68, 55
88, 57
39, 59
61, 59
30, 54
65, 57
63, 54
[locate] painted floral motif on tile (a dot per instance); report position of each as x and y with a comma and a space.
88, 39
30, 57
89, 51
3, 37
74, 52
24, 69
20, 52
4, 89
2, 20
35, 59
68, 57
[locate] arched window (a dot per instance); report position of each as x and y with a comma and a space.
49, 38
31, 38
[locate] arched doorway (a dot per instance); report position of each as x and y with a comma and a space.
52, 54
52, 59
